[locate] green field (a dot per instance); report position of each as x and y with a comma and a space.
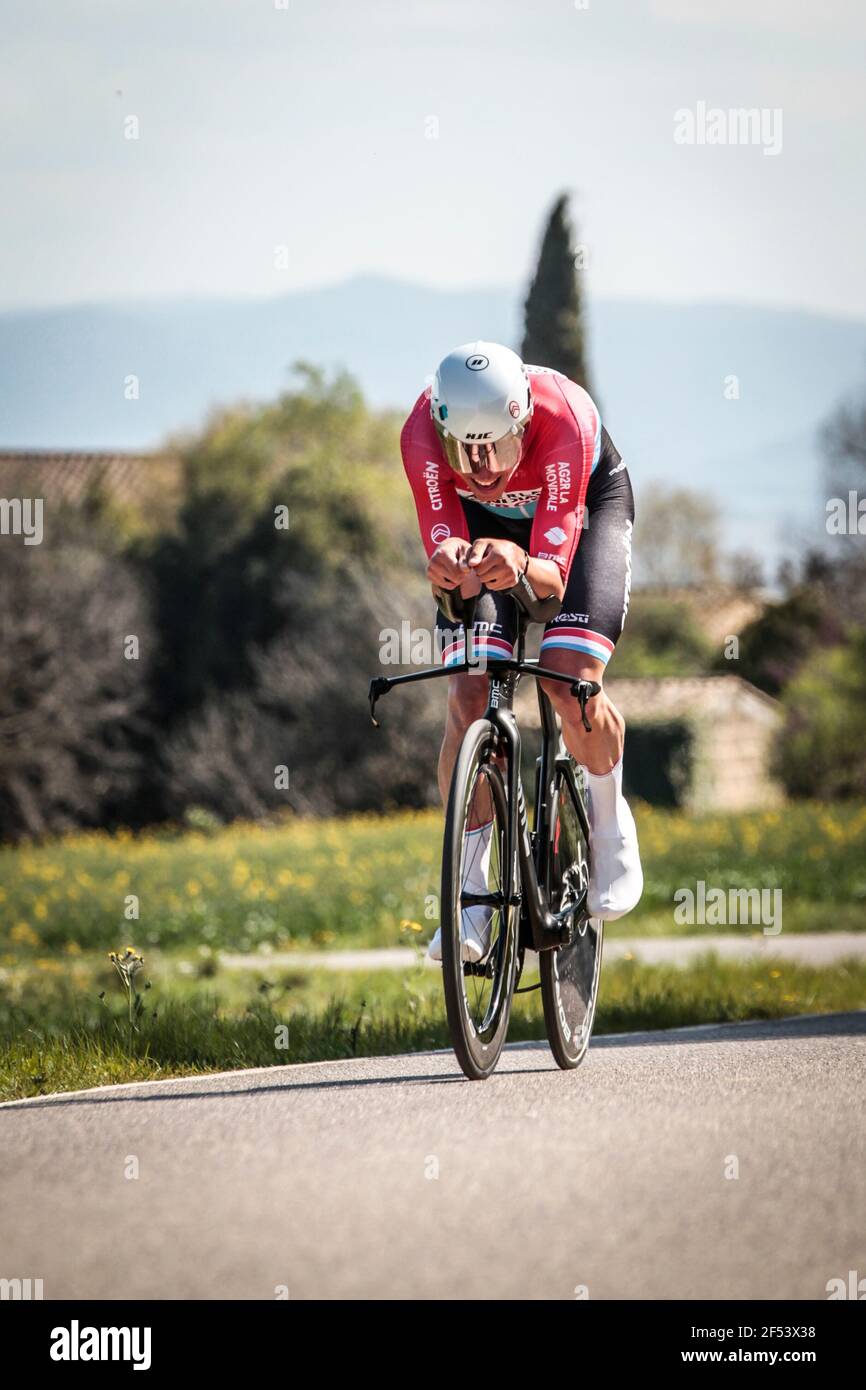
371, 881
361, 882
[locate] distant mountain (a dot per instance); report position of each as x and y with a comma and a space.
660, 370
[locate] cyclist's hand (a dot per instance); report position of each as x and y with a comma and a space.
447, 565
498, 564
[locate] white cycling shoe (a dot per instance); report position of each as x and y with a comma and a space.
474, 935
616, 877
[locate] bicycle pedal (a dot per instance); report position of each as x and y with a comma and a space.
483, 968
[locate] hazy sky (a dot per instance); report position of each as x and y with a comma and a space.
310, 127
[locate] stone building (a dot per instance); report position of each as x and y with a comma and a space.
729, 727
700, 742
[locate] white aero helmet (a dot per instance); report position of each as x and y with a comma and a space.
481, 403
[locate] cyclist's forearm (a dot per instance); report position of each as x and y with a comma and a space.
545, 577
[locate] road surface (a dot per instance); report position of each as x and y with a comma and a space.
396, 1178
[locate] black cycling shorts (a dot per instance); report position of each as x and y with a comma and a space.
597, 591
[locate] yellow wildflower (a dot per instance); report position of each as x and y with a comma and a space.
24, 934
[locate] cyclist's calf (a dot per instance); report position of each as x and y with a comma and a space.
468, 697
601, 748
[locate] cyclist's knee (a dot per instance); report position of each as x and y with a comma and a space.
578, 668
467, 699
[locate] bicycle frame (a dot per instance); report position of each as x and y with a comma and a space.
526, 883
553, 767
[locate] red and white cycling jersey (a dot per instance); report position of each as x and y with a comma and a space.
560, 449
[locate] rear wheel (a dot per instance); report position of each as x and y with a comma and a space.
570, 974
478, 996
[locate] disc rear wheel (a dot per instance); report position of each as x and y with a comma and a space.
570, 974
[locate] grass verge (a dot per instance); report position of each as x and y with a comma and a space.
56, 1034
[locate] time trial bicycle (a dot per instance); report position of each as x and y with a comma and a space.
537, 878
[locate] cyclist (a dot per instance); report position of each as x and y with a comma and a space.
513, 473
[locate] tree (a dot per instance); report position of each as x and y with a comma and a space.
306, 711
219, 575
819, 751
270, 634
775, 646
675, 542
75, 645
661, 638
844, 442
554, 334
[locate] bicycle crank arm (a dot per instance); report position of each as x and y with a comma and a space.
481, 967
548, 929
494, 900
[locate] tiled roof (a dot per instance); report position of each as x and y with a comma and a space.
666, 697
646, 698
69, 475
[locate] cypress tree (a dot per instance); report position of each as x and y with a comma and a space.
553, 317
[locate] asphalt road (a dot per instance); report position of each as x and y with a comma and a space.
395, 1178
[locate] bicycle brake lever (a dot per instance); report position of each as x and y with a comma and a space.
581, 691
379, 685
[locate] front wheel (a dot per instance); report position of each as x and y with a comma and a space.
570, 974
478, 995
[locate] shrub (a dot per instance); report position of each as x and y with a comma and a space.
820, 751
